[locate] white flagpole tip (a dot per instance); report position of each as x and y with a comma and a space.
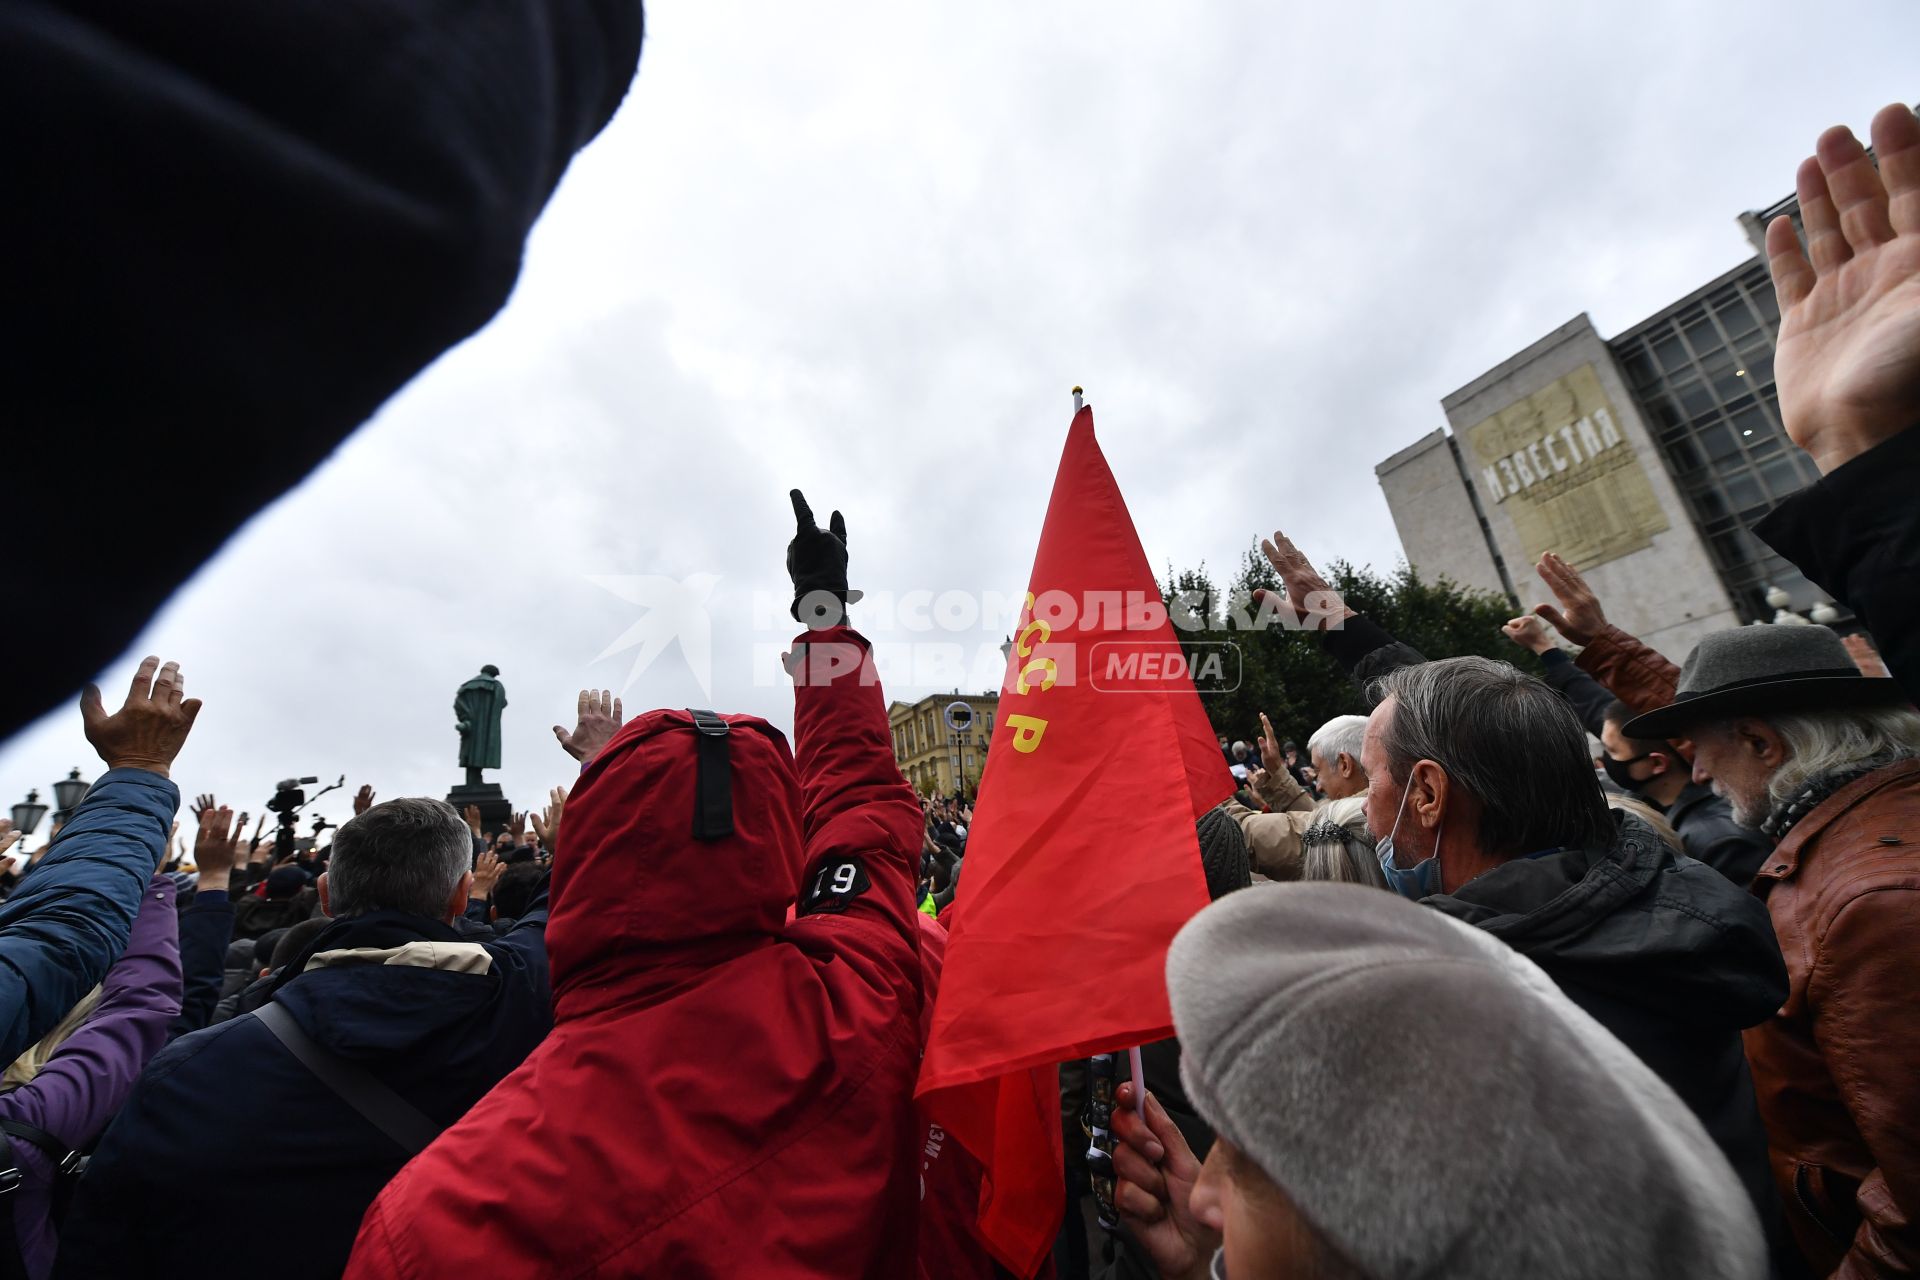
1078, 403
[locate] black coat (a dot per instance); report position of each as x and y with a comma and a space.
1856, 532
229, 1112
234, 229
1664, 952
257, 917
1710, 835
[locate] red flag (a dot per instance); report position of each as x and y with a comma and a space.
1082, 861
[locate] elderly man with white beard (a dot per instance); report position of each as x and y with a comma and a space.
1826, 761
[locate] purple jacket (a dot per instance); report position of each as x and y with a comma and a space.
89, 1077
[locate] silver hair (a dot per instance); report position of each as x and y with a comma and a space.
1340, 734
1329, 851
1824, 743
405, 855
1241, 750
1505, 738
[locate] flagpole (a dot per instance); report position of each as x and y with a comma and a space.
1133, 1054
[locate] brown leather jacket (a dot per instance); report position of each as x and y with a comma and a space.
1635, 674
1837, 1070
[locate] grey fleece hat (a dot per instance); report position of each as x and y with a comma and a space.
1434, 1105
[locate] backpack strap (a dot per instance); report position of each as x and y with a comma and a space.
64, 1159
386, 1110
12, 1265
67, 1164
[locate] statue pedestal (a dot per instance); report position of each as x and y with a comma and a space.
492, 802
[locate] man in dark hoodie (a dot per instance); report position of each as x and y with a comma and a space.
1488, 810
390, 990
1484, 802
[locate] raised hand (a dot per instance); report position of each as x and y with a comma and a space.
486, 873
817, 566
517, 828
201, 804
547, 826
217, 846
1154, 1172
1269, 744
1306, 590
1864, 655
1528, 632
8, 836
149, 730
362, 799
472, 814
1847, 360
1579, 617
598, 717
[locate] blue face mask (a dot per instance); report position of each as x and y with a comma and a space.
1419, 881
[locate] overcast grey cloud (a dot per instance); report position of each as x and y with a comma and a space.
866, 249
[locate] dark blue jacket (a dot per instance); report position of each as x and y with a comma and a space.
71, 916
206, 931
231, 1113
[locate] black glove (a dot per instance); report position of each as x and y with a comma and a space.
817, 564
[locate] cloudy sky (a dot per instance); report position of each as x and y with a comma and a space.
867, 249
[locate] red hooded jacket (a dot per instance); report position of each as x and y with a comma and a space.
723, 1093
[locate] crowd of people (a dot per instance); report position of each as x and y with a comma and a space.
1601, 974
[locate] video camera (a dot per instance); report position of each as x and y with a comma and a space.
288, 800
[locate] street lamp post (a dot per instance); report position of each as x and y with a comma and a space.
27, 815
67, 795
959, 718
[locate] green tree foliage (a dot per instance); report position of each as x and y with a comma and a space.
1289, 675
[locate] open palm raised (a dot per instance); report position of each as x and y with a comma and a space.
1848, 364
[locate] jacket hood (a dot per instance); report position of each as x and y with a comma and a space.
634, 892
1637, 921
386, 982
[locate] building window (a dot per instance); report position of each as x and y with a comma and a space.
1704, 378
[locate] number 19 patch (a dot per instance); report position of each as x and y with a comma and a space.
835, 884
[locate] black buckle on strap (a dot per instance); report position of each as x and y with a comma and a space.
713, 801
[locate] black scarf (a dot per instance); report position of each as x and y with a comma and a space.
1811, 797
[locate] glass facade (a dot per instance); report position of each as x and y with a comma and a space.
1703, 375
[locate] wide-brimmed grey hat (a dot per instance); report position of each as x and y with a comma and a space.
1757, 670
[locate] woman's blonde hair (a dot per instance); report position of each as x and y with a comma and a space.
27, 1065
